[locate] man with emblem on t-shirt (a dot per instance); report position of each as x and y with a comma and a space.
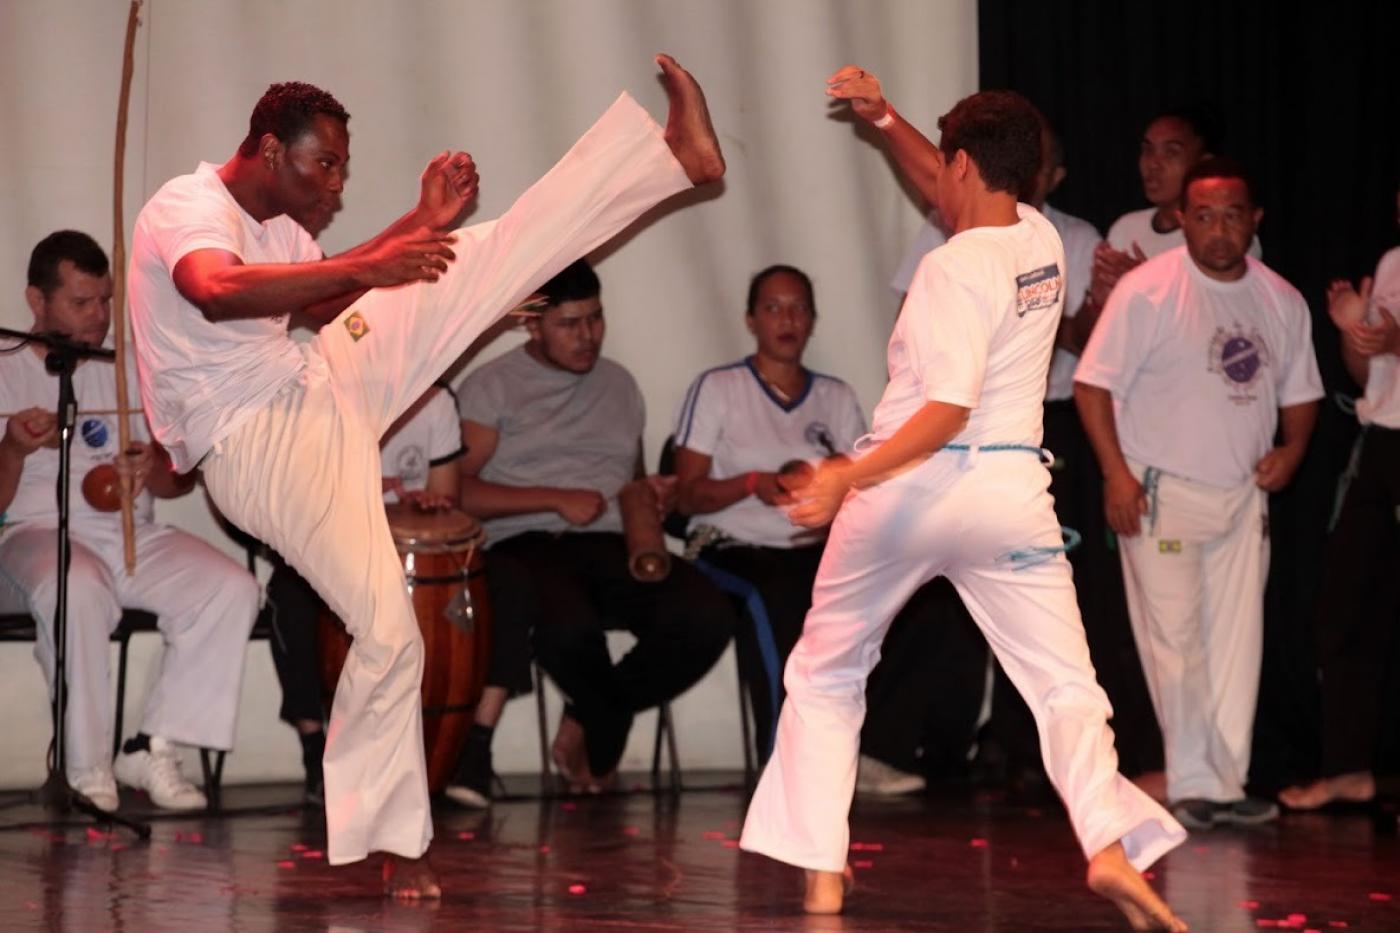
204, 602
1201, 354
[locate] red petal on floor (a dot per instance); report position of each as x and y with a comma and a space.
1379, 897
466, 835
978, 843
731, 843
1250, 905
312, 853
1337, 924
286, 863
863, 863
712, 834
299, 847
577, 889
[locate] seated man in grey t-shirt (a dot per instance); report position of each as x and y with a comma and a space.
552, 432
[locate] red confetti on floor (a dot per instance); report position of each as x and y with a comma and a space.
731, 843
1337, 924
466, 835
978, 843
1379, 897
867, 847
286, 863
577, 889
712, 834
631, 831
312, 853
299, 847
197, 838
863, 863
1250, 905
544, 849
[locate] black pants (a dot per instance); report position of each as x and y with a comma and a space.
682, 624
923, 697
783, 578
1077, 485
293, 607
1357, 609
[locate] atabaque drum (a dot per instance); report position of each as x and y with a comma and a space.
445, 572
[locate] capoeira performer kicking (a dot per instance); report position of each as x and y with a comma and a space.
951, 482
287, 435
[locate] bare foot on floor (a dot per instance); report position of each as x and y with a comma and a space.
689, 132
1112, 876
570, 755
1356, 787
827, 890
410, 879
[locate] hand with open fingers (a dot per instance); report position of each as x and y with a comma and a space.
418, 255
28, 430
861, 89
580, 506
134, 465
816, 504
448, 186
1124, 503
423, 500
1346, 306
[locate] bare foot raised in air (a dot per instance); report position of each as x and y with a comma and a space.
410, 879
1356, 787
827, 890
1112, 876
689, 132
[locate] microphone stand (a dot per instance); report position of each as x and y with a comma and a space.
56, 794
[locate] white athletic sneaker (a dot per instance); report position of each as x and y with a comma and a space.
878, 779
157, 772
96, 784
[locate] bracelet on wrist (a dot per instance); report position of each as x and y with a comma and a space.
885, 121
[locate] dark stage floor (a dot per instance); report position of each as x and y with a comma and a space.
946, 861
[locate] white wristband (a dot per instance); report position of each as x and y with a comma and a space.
885, 121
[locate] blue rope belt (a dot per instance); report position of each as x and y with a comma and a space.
1028, 556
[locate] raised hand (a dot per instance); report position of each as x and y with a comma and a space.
861, 89
447, 188
1345, 305
417, 255
1374, 339
26, 431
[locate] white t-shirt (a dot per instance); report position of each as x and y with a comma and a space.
1136, 227
24, 383
1199, 368
200, 379
1381, 403
731, 416
427, 435
1079, 239
557, 429
977, 330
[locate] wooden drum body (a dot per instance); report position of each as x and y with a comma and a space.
446, 578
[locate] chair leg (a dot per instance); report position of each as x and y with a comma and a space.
745, 725
123, 641
672, 756
546, 762
213, 778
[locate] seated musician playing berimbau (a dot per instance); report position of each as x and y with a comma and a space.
204, 603
553, 432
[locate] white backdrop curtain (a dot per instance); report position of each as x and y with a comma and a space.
513, 82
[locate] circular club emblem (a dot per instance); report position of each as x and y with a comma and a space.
94, 432
1239, 359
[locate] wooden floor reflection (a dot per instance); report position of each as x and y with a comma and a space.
951, 860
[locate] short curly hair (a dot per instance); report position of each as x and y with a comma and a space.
1000, 131
286, 110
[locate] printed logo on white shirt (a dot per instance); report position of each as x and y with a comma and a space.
411, 466
1240, 358
1038, 289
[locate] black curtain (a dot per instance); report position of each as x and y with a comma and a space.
1310, 101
